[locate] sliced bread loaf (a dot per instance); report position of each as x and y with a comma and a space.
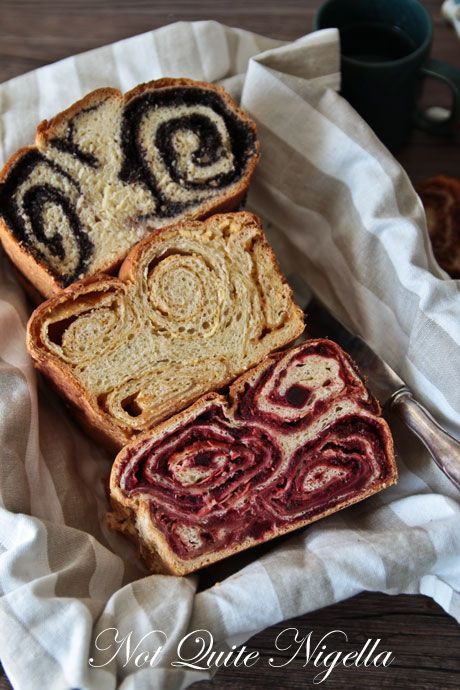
299, 437
195, 305
112, 168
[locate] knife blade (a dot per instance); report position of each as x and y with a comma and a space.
384, 383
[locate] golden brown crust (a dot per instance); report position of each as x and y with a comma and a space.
152, 544
12, 160
46, 129
170, 82
67, 385
231, 202
137, 253
33, 269
36, 271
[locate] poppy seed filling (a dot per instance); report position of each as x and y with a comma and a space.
112, 172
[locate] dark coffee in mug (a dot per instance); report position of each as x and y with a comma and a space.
375, 42
385, 46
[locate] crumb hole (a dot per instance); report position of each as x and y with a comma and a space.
131, 406
56, 330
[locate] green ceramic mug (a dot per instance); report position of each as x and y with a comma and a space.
385, 46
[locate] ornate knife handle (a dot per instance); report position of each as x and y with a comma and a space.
444, 449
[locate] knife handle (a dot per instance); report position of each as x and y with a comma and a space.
444, 449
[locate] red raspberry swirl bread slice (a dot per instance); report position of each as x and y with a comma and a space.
297, 438
441, 199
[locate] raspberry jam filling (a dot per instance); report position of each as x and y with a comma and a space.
230, 475
288, 397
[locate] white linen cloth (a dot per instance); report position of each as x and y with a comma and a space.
340, 211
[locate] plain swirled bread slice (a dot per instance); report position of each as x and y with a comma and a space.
195, 305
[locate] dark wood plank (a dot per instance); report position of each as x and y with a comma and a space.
41, 32
424, 639
35, 33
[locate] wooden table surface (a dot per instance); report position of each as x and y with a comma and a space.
425, 640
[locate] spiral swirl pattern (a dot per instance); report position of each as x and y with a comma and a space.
215, 478
186, 291
302, 385
39, 201
76, 334
112, 168
201, 476
190, 314
187, 145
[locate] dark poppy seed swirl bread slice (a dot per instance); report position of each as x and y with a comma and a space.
112, 168
298, 438
196, 304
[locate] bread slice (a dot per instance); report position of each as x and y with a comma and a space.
195, 305
297, 438
441, 199
112, 168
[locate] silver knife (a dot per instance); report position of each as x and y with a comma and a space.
385, 384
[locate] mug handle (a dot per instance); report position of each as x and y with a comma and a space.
450, 76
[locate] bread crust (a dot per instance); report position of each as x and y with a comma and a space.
162, 560
35, 270
136, 522
46, 128
95, 422
97, 425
